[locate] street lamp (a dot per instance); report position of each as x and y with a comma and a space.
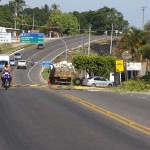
65, 47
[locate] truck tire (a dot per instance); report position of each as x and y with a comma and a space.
77, 81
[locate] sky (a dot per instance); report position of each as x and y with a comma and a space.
131, 9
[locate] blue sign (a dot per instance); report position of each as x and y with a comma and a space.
32, 38
46, 63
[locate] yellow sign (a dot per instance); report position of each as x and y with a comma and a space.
119, 65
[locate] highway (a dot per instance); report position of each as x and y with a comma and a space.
52, 49
35, 118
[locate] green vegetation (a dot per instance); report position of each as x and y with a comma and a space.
10, 48
94, 64
45, 74
134, 85
133, 39
51, 18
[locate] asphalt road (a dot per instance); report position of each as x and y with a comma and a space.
35, 119
47, 119
52, 49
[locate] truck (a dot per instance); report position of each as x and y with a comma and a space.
3, 58
62, 73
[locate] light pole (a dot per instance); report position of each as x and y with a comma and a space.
65, 47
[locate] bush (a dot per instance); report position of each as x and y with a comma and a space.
136, 85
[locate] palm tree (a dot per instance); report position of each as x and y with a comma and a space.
133, 39
54, 7
17, 7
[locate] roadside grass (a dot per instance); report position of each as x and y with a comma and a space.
134, 85
12, 47
45, 74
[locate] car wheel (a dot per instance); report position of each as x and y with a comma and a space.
109, 84
77, 81
93, 84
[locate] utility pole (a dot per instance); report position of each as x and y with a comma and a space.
79, 26
33, 24
89, 45
143, 10
111, 38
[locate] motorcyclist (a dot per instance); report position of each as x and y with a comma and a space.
6, 68
32, 62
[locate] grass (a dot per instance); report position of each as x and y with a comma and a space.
11, 47
45, 74
134, 85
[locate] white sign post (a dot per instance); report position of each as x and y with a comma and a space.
133, 66
5, 37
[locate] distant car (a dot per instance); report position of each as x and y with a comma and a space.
97, 81
12, 62
18, 56
22, 64
40, 46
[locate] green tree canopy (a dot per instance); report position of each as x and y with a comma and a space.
65, 22
95, 65
145, 50
133, 39
101, 19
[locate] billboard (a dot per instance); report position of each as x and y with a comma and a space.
5, 37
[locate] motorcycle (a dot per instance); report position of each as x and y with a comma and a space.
6, 83
32, 63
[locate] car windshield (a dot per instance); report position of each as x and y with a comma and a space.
12, 60
17, 54
22, 61
2, 62
40, 44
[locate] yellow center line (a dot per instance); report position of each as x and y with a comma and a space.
119, 118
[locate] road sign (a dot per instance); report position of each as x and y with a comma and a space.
31, 38
5, 37
46, 63
134, 66
119, 65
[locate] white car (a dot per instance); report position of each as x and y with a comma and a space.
22, 64
97, 81
18, 56
12, 62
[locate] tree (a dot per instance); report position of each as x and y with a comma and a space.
17, 5
145, 50
54, 7
66, 23
5, 19
101, 19
95, 65
133, 39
